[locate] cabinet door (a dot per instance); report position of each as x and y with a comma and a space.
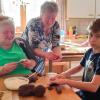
97, 8
80, 8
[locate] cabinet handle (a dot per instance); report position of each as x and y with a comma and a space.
91, 15
98, 15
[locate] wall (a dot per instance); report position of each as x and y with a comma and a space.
80, 23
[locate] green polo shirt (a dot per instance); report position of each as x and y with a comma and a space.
14, 54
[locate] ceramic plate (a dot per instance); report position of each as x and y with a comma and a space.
13, 83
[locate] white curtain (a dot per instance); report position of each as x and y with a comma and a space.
62, 16
1, 8
12, 9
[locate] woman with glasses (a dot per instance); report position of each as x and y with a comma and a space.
13, 59
42, 34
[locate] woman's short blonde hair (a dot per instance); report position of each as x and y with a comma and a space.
49, 6
7, 20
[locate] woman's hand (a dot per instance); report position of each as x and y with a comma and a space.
28, 63
9, 67
57, 52
51, 56
58, 57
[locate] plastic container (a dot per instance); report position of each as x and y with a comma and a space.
62, 36
70, 33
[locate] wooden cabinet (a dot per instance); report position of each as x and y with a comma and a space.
83, 8
97, 9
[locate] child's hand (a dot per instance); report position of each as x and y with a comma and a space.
58, 81
58, 76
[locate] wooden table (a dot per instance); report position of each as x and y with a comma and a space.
68, 57
72, 52
67, 92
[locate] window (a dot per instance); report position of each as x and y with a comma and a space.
12, 9
22, 11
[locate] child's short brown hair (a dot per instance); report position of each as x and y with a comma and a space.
95, 27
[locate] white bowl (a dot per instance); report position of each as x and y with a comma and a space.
51, 74
13, 83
